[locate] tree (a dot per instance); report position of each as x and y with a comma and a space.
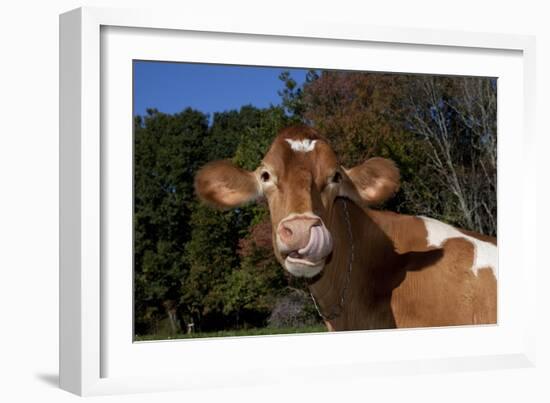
211, 257
456, 118
167, 152
361, 115
441, 132
292, 95
215, 291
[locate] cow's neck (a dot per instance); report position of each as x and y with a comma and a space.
366, 302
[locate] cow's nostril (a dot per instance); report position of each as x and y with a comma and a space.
294, 233
287, 232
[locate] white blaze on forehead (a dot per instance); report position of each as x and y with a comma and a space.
485, 253
302, 145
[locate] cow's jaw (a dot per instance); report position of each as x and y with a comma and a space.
302, 267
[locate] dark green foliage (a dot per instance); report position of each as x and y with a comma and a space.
211, 257
253, 287
222, 283
188, 252
167, 152
292, 98
258, 135
228, 129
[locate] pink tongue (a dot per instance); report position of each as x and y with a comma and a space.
319, 245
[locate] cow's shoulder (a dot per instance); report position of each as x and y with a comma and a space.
484, 249
415, 235
408, 233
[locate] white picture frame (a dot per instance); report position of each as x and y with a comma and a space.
88, 335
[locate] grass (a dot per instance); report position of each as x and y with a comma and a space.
234, 333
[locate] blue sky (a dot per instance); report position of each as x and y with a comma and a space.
171, 87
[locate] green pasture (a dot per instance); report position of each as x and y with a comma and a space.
234, 333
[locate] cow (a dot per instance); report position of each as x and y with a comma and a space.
366, 268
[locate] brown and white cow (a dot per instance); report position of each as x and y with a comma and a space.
367, 269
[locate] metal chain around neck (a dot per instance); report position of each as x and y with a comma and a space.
337, 310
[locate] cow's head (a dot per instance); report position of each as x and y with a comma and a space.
300, 178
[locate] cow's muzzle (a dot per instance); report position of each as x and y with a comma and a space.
304, 243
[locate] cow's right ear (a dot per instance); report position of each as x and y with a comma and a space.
376, 179
222, 184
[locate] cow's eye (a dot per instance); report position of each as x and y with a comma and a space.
265, 176
337, 177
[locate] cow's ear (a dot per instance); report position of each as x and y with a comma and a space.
376, 179
222, 184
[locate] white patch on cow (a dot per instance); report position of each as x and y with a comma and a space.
485, 253
302, 146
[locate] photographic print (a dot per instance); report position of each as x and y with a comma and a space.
273, 200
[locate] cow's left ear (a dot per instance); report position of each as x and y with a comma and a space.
376, 179
224, 185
